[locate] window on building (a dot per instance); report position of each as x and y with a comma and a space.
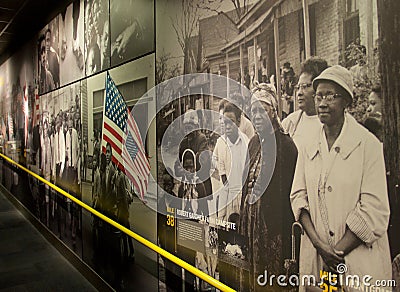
282, 36
98, 98
313, 33
351, 23
351, 6
313, 36
302, 41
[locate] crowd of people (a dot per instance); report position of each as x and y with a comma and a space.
328, 174
112, 196
55, 149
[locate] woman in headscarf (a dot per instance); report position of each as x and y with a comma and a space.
266, 219
339, 190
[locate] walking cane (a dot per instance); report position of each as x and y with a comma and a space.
194, 161
291, 263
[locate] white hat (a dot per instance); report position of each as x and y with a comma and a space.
339, 75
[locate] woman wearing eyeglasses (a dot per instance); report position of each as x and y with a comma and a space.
303, 124
339, 190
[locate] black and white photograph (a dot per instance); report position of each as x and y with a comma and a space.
97, 36
109, 186
49, 57
40, 161
56, 144
132, 29
18, 91
311, 72
71, 42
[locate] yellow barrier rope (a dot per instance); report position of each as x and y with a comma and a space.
134, 235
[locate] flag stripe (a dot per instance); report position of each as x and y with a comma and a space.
128, 163
131, 174
134, 180
143, 162
113, 132
136, 131
140, 167
137, 169
133, 167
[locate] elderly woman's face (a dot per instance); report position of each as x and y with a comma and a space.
261, 115
329, 103
305, 93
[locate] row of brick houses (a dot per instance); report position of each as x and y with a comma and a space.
274, 32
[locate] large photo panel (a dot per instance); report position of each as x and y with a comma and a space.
72, 42
190, 36
118, 90
48, 57
20, 84
132, 29
97, 36
67, 153
261, 47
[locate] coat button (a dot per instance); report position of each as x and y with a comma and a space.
331, 233
329, 189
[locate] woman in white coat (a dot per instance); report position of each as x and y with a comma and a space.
339, 190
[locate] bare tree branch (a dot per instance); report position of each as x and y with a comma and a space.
185, 24
240, 7
165, 69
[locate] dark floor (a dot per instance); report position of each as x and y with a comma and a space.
28, 262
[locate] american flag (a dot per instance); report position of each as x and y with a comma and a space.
121, 131
36, 108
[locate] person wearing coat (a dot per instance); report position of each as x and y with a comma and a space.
265, 215
339, 190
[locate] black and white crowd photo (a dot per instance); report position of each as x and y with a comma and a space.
307, 75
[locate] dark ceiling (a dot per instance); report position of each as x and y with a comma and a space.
20, 20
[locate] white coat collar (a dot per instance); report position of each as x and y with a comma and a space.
349, 139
